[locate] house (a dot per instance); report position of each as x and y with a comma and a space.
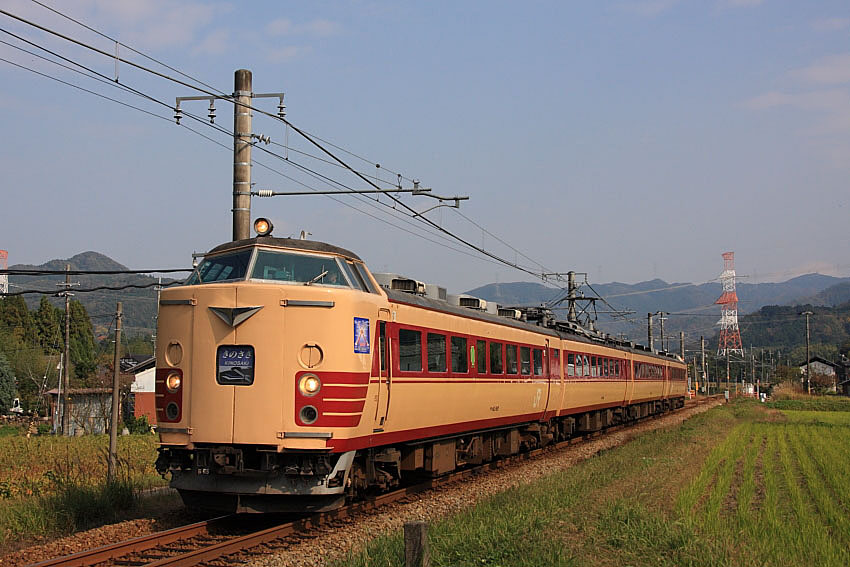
142, 398
833, 373
90, 410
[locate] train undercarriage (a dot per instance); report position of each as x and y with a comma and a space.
258, 479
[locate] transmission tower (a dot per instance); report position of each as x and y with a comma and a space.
730, 335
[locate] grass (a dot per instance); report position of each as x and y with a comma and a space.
51, 485
739, 485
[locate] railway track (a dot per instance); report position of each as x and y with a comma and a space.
206, 545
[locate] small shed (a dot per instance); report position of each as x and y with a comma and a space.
142, 399
90, 410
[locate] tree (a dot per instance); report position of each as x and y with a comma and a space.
7, 384
48, 325
82, 346
15, 318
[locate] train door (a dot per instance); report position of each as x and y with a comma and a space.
382, 407
545, 395
554, 383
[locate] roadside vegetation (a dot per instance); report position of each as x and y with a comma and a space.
53, 485
742, 484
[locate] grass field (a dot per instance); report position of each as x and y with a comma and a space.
51, 485
740, 485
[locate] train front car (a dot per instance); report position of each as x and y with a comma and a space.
263, 355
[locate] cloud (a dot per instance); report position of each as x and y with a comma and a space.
313, 28
831, 24
287, 53
832, 105
215, 43
830, 70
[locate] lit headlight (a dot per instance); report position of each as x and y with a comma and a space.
173, 382
309, 385
263, 227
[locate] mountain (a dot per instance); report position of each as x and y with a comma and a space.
139, 305
691, 307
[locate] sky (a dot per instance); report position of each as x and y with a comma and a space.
626, 139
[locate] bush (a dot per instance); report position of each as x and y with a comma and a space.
138, 425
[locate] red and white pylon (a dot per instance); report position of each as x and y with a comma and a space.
730, 335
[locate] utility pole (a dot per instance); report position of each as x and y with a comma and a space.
661, 329
66, 367
808, 355
702, 364
243, 139
113, 423
649, 330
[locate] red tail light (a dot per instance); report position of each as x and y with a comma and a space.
169, 395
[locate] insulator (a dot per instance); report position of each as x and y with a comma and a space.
211, 113
281, 109
178, 114
265, 193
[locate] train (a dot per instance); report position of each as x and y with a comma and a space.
290, 378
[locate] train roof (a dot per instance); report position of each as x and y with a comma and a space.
442, 306
290, 243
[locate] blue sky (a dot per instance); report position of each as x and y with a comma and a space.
626, 139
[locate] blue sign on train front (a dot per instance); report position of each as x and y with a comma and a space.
361, 335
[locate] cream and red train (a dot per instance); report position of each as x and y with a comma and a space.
287, 380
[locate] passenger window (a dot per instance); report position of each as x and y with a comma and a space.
510, 359
382, 343
538, 362
593, 372
605, 367
525, 360
436, 352
556, 363
496, 358
571, 364
586, 365
410, 350
460, 361
481, 356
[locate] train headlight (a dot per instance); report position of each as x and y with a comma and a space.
263, 227
172, 383
309, 385
309, 415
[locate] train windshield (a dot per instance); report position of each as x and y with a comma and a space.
302, 269
226, 267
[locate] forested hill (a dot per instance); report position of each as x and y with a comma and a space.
139, 305
782, 326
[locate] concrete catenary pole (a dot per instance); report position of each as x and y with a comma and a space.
242, 155
702, 365
571, 297
113, 422
808, 355
649, 330
66, 375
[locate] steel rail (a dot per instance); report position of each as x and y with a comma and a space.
141, 543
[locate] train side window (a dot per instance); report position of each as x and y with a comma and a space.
537, 359
481, 356
617, 368
460, 360
410, 350
555, 365
361, 271
496, 358
593, 372
605, 368
586, 365
510, 359
571, 364
353, 276
436, 352
525, 360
